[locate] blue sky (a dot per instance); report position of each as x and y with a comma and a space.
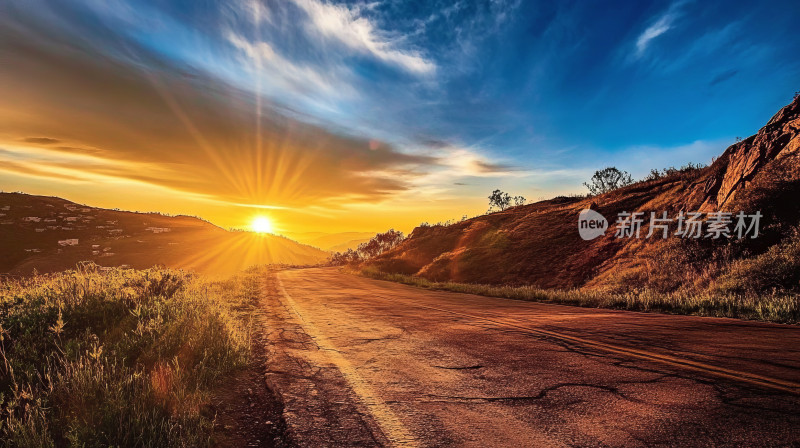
531, 96
534, 84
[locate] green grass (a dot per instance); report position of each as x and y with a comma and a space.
118, 358
783, 308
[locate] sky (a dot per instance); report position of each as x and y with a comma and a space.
330, 116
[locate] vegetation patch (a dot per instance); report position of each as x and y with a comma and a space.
774, 307
119, 357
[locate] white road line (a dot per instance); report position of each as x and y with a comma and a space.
391, 426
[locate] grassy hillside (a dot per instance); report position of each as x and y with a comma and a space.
539, 244
775, 307
118, 358
31, 228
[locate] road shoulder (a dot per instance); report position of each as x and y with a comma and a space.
319, 406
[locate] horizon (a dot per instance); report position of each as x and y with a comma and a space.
365, 117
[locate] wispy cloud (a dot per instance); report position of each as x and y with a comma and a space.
347, 25
660, 26
283, 74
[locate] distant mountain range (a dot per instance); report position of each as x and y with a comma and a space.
49, 234
539, 244
332, 242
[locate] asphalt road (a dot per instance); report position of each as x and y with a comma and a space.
361, 362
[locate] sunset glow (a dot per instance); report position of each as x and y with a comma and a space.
261, 224
356, 120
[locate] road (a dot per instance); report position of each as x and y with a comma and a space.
362, 362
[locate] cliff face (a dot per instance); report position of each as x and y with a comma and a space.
539, 243
739, 164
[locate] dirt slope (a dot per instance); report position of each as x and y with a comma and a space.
31, 228
539, 244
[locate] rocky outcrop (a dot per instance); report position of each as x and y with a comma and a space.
740, 162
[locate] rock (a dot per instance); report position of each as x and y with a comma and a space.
741, 161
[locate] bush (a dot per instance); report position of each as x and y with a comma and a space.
777, 269
380, 243
117, 358
608, 179
672, 171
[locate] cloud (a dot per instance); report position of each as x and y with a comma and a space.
346, 25
661, 25
460, 162
148, 120
284, 74
41, 140
723, 76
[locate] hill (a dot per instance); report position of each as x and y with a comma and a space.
50, 234
539, 244
332, 242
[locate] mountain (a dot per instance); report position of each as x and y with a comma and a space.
539, 244
51, 234
332, 242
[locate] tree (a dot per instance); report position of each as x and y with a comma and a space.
518, 200
499, 200
608, 179
380, 243
347, 257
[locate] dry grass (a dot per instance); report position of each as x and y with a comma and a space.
775, 307
118, 358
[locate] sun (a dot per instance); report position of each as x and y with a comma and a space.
261, 224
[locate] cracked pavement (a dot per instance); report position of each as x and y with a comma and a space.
362, 362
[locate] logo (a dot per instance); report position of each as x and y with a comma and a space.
591, 224
713, 225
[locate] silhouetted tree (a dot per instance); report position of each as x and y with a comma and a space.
608, 179
518, 200
347, 257
499, 199
379, 244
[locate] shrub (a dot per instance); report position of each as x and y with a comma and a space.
777, 269
117, 358
608, 179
